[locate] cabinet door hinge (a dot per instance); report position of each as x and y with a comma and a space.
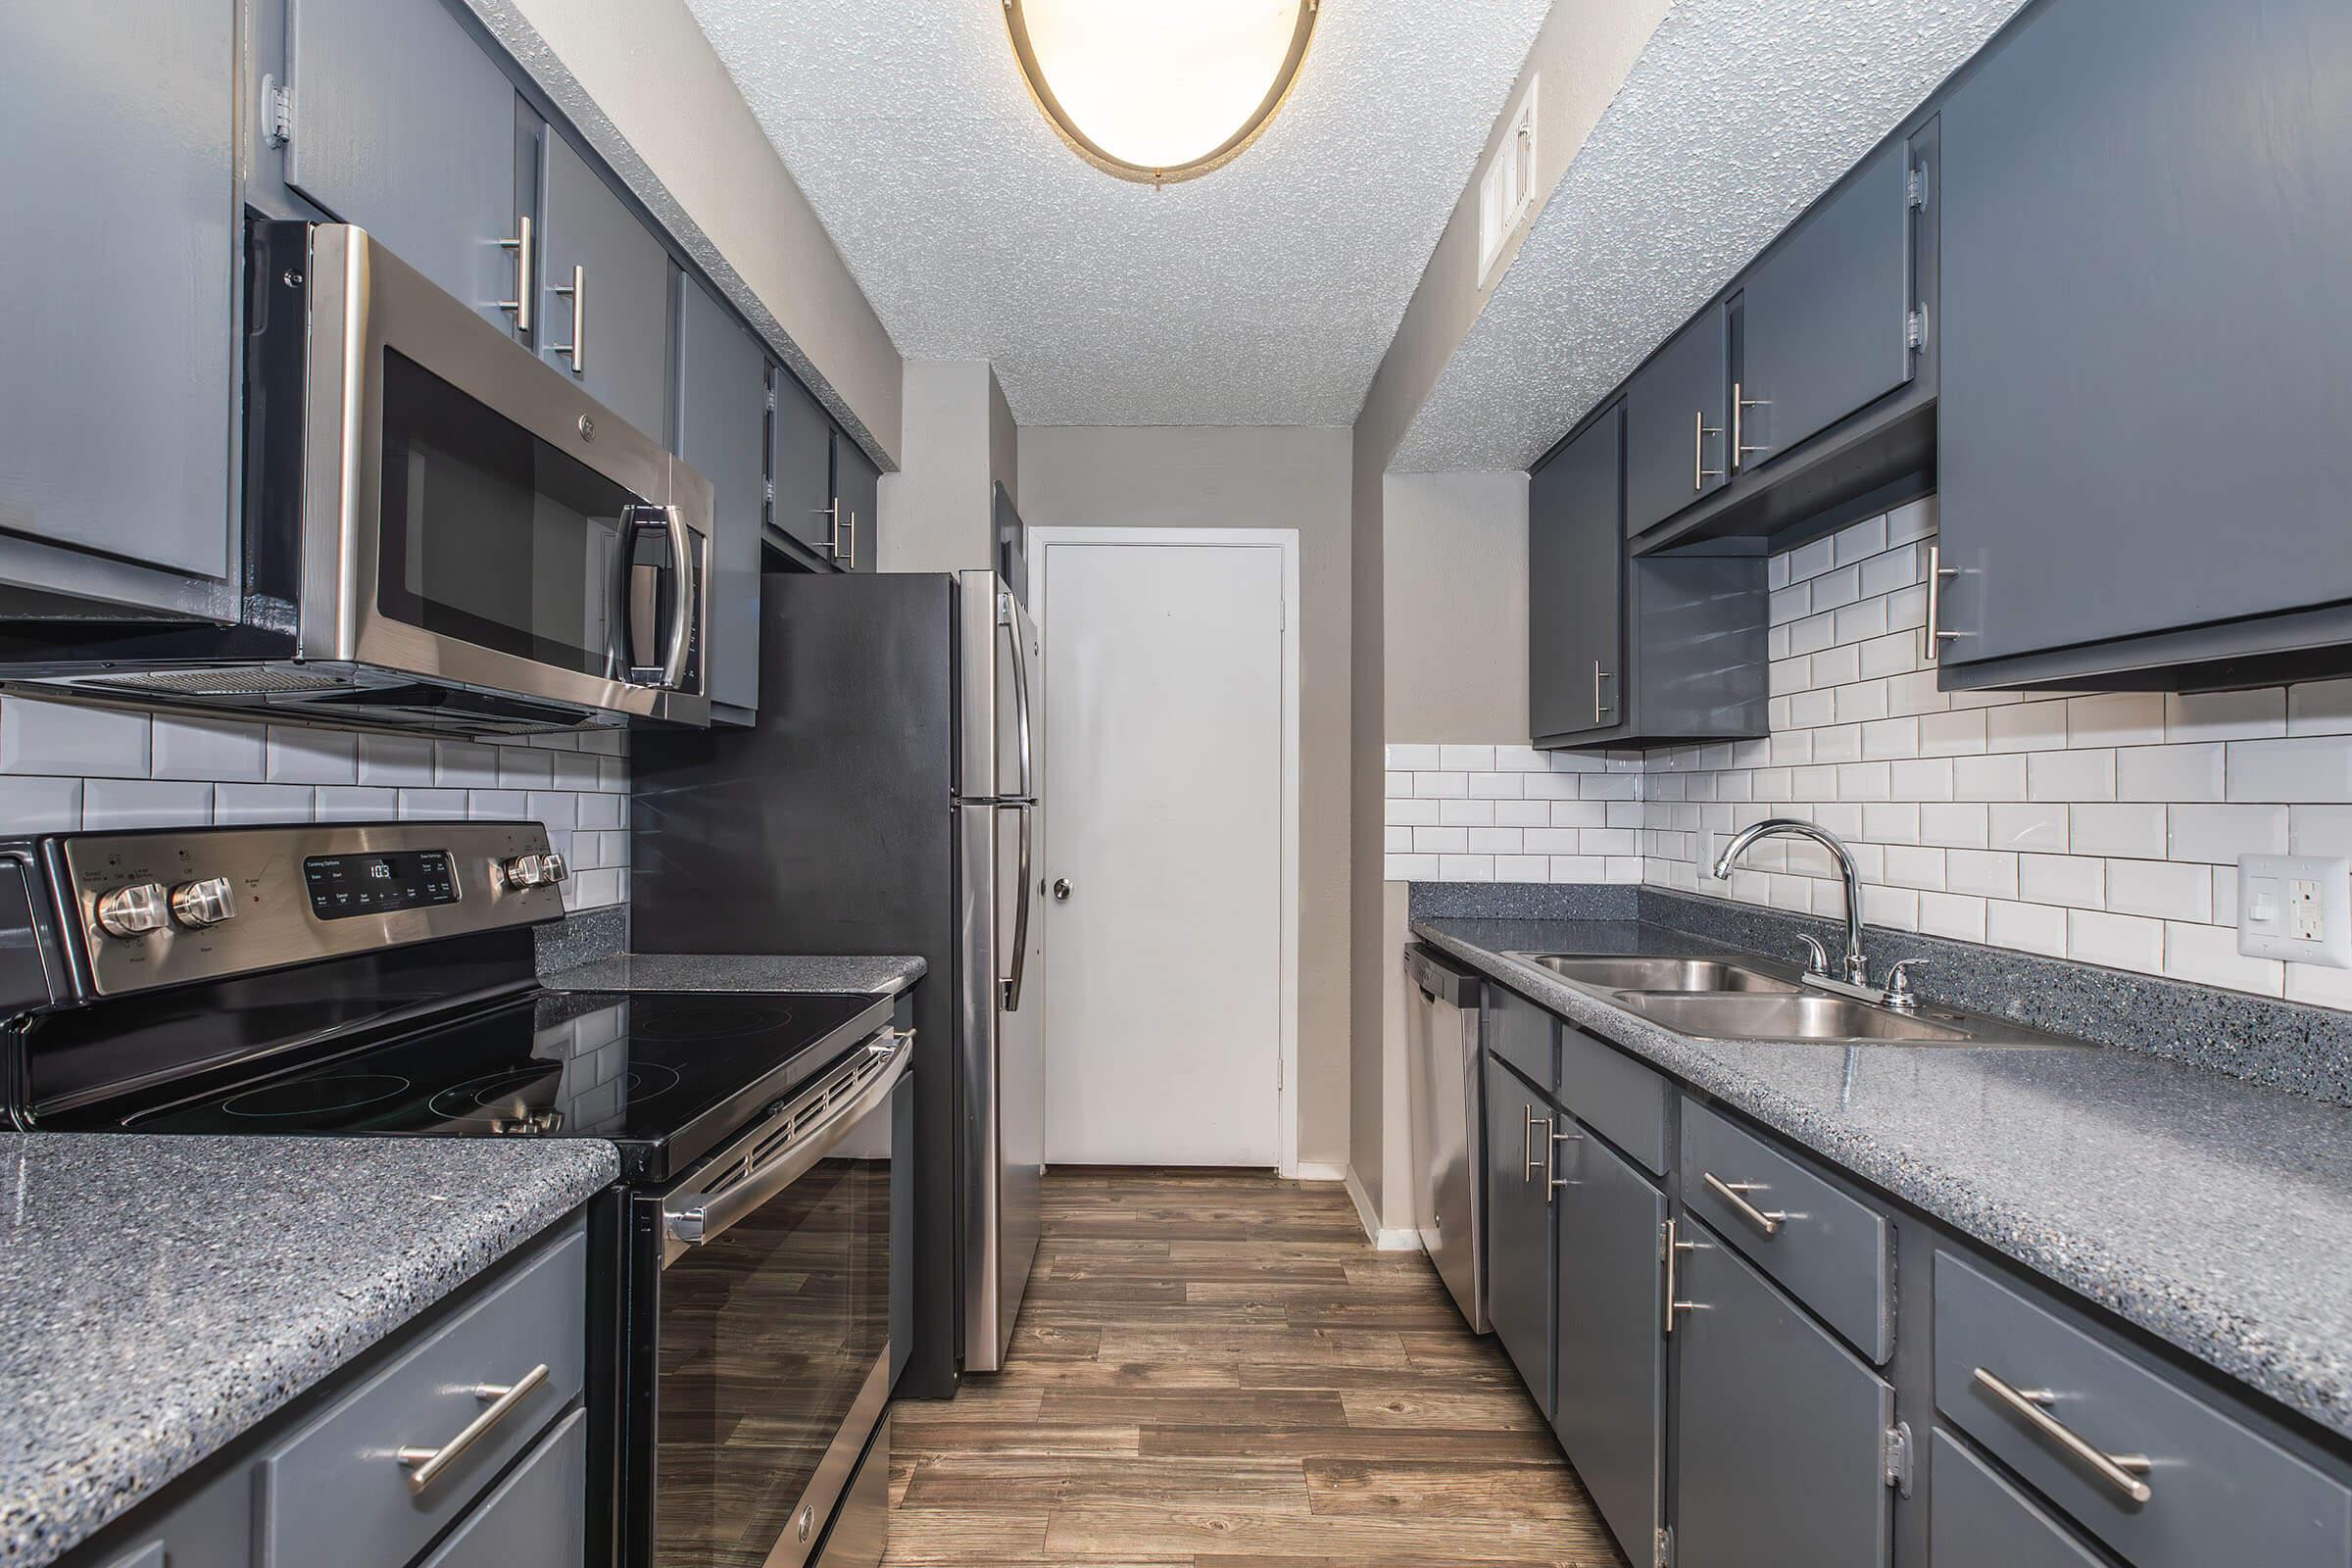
1898, 1457
1915, 189
1661, 1547
277, 111
1915, 327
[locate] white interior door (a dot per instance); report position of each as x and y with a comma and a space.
1164, 795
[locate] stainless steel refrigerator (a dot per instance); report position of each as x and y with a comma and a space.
886, 802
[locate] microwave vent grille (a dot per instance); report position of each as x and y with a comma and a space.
231, 682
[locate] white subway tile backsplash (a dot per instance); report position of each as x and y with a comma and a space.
357, 802
250, 804
463, 765
126, 803
30, 804
398, 761
64, 739
303, 755
2103, 827
212, 749
1466, 814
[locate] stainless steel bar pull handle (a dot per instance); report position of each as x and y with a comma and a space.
1599, 675
577, 348
1011, 987
1527, 1142
1937, 637
520, 245
1700, 430
1671, 1247
1741, 450
425, 1465
1768, 1221
2121, 1471
1552, 1160
849, 530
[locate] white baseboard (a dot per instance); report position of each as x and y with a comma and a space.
1383, 1240
1316, 1171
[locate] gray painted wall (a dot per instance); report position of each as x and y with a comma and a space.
1100, 477
937, 512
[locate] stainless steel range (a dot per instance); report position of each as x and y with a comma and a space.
377, 980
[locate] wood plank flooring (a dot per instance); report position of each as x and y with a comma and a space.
1215, 1369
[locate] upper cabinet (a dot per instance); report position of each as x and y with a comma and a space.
2148, 207
1826, 318
800, 464
721, 429
1677, 425
406, 129
856, 493
1575, 585
118, 318
604, 289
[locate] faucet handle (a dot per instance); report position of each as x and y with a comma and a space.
1900, 994
1820, 963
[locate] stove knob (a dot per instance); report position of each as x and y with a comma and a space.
197, 904
533, 870
133, 911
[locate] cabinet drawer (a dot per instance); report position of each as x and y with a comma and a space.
1524, 1035
1975, 1518
2217, 1492
334, 1491
535, 1518
1615, 1095
1828, 1249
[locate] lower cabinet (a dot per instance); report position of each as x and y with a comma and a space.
535, 1518
1778, 1431
1519, 1228
1609, 1374
1975, 1517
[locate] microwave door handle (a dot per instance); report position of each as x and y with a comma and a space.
621, 638
1010, 987
689, 1220
683, 575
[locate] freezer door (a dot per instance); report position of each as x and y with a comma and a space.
1003, 1067
998, 754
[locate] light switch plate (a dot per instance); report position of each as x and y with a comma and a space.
2295, 907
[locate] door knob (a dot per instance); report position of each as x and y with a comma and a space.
1061, 890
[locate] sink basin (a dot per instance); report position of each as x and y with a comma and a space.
1792, 1017
1713, 975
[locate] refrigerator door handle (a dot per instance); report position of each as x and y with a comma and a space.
1011, 987
1010, 618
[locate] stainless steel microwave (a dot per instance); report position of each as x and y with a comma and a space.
441, 530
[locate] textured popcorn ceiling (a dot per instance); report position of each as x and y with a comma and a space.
1263, 293
1737, 116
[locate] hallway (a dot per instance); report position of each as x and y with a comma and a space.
1215, 1368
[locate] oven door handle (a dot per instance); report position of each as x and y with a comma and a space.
693, 1219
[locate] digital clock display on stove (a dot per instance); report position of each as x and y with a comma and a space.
345, 885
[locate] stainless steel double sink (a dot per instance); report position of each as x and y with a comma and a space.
1747, 999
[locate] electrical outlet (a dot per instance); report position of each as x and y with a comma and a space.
2295, 907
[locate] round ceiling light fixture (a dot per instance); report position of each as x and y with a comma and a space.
1159, 90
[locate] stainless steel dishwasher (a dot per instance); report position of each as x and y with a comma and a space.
1448, 1117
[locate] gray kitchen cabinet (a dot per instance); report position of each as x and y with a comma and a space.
1519, 1225
1778, 1431
603, 296
2215, 1490
857, 492
1676, 428
1610, 1362
2146, 207
404, 126
1822, 324
1977, 1518
720, 427
1524, 1035
537, 1517
1575, 584
212, 1529
118, 318
800, 464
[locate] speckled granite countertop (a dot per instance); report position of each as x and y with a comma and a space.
738, 971
160, 1295
2215, 1213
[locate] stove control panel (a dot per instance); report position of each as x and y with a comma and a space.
166, 907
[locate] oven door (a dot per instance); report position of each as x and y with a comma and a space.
471, 517
761, 1350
